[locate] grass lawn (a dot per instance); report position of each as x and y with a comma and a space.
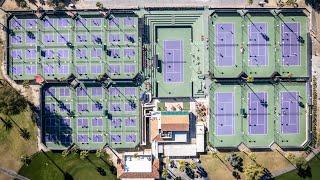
216, 169
12, 145
47, 165
315, 173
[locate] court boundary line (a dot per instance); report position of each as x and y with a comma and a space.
267, 115
233, 45
281, 129
299, 45
182, 62
233, 116
266, 45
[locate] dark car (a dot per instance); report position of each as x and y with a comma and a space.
172, 164
190, 173
201, 171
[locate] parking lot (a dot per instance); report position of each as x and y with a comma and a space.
191, 170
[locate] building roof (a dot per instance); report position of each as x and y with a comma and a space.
140, 175
175, 122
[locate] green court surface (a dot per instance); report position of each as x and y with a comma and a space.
115, 48
274, 62
241, 116
183, 87
91, 116
189, 26
88, 45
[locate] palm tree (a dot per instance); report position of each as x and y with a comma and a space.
99, 5
84, 154
165, 173
7, 124
99, 153
25, 133
25, 159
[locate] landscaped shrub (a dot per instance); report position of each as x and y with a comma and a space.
11, 102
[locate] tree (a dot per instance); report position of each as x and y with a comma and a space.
301, 163
25, 134
290, 156
193, 165
65, 153
165, 173
252, 156
253, 171
7, 124
25, 159
236, 162
84, 154
11, 102
99, 153
21, 3
182, 165
99, 5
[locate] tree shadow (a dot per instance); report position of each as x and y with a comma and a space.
304, 173
314, 4
99, 169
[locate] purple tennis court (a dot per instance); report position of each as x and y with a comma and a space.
224, 113
115, 122
258, 113
258, 44
289, 112
131, 138
225, 45
290, 36
97, 122
130, 122
83, 138
116, 138
173, 61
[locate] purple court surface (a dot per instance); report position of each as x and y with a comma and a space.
289, 112
114, 21
130, 122
131, 138
225, 45
97, 122
116, 122
130, 91
257, 113
83, 138
116, 138
128, 21
173, 61
97, 138
224, 113
290, 36
258, 44
129, 68
113, 91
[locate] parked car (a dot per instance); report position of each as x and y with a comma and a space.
202, 171
190, 173
172, 164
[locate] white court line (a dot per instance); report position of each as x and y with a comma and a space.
296, 32
297, 125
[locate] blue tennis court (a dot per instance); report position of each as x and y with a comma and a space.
173, 61
225, 45
290, 34
258, 113
224, 113
258, 44
289, 112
